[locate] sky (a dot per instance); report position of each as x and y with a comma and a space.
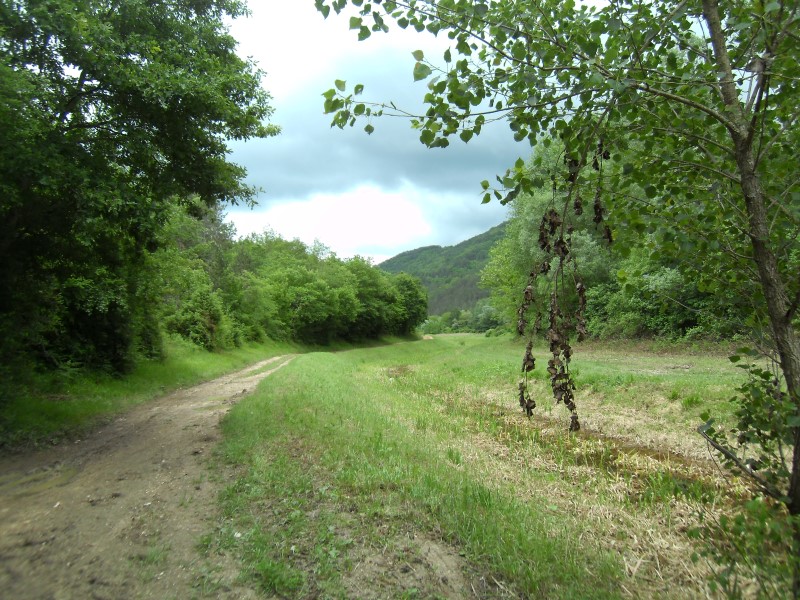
370, 195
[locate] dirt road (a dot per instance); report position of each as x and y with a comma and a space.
120, 514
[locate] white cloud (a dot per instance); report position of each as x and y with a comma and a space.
366, 217
295, 45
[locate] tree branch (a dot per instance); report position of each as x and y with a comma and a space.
728, 90
763, 484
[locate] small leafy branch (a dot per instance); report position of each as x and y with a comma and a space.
763, 433
759, 446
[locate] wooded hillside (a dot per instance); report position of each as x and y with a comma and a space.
450, 274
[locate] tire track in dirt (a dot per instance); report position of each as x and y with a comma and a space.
120, 514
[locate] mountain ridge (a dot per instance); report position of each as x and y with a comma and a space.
450, 274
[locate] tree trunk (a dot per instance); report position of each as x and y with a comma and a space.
785, 338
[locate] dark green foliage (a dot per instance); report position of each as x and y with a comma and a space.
413, 303
450, 274
105, 117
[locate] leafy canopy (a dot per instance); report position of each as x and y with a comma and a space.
107, 112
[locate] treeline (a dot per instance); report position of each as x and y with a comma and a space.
202, 284
219, 292
114, 131
639, 282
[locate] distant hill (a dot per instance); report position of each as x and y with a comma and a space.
451, 273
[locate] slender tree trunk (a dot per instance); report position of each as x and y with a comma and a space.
785, 338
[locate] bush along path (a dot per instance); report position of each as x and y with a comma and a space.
120, 514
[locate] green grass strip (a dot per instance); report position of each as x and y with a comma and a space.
333, 430
57, 406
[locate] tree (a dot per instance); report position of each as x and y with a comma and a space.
107, 112
413, 300
378, 303
705, 91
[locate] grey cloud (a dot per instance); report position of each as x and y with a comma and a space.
458, 217
309, 157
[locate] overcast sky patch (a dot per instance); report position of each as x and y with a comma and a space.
374, 195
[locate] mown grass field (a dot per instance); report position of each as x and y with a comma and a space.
409, 471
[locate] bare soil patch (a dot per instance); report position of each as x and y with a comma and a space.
120, 514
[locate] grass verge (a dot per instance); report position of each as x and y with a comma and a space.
53, 407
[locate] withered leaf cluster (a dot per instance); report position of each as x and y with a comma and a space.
598, 208
525, 401
565, 318
560, 323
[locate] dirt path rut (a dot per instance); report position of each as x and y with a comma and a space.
120, 514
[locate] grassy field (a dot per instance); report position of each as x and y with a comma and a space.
409, 471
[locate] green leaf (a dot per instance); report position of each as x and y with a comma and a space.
466, 135
369, 129
705, 427
418, 55
426, 137
364, 33
358, 89
355, 22
340, 84
421, 71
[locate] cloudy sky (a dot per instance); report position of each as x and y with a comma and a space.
373, 195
